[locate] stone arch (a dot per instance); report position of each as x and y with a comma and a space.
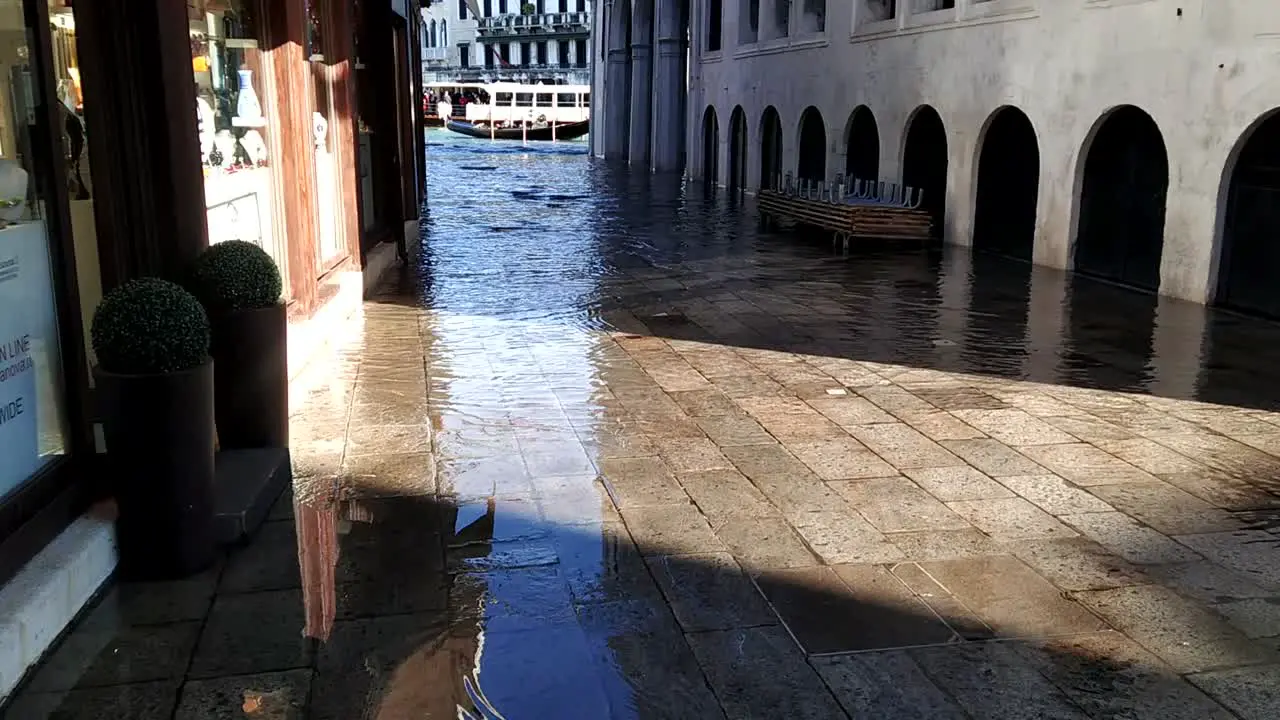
1249, 222
1123, 186
925, 160
862, 145
811, 138
738, 153
770, 146
710, 147
1008, 185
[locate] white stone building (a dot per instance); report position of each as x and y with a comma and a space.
510, 40
1134, 140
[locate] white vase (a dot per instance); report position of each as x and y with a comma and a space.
247, 105
13, 188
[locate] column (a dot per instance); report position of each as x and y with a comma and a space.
641, 82
1177, 349
669, 87
136, 71
1047, 305
617, 83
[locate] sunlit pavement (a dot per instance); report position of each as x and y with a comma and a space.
735, 476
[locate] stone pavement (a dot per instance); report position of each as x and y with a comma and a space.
525, 518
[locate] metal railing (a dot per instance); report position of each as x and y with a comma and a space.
540, 22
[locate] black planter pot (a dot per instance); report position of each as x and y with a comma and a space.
159, 435
251, 384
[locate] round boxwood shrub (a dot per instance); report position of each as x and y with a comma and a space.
150, 327
235, 275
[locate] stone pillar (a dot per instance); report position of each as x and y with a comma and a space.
1047, 304
641, 82
668, 87
1177, 349
617, 84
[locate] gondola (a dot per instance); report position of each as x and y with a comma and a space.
567, 131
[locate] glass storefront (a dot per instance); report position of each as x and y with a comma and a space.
33, 426
233, 126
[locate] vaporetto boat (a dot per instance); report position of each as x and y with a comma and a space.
514, 111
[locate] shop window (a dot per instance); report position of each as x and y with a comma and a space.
232, 122
33, 427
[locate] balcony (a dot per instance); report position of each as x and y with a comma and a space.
515, 73
556, 24
435, 54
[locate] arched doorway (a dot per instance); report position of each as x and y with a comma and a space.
1249, 271
813, 146
710, 148
770, 147
737, 153
1120, 234
1004, 218
862, 146
924, 162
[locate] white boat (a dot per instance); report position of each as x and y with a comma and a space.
508, 104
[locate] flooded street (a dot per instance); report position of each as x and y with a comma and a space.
608, 451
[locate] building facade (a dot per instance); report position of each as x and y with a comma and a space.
546, 41
1132, 140
130, 141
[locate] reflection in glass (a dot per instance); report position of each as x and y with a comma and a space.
32, 422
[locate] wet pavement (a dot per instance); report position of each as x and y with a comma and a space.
607, 451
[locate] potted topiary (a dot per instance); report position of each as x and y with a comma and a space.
154, 383
239, 285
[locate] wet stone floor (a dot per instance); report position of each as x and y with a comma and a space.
601, 457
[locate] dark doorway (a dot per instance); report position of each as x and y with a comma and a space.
813, 146
770, 148
924, 163
862, 146
1122, 201
737, 153
1004, 220
1249, 272
710, 148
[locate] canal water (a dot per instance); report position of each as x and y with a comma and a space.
546, 234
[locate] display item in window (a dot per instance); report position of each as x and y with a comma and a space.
13, 191
248, 108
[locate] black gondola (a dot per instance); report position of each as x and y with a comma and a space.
568, 131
